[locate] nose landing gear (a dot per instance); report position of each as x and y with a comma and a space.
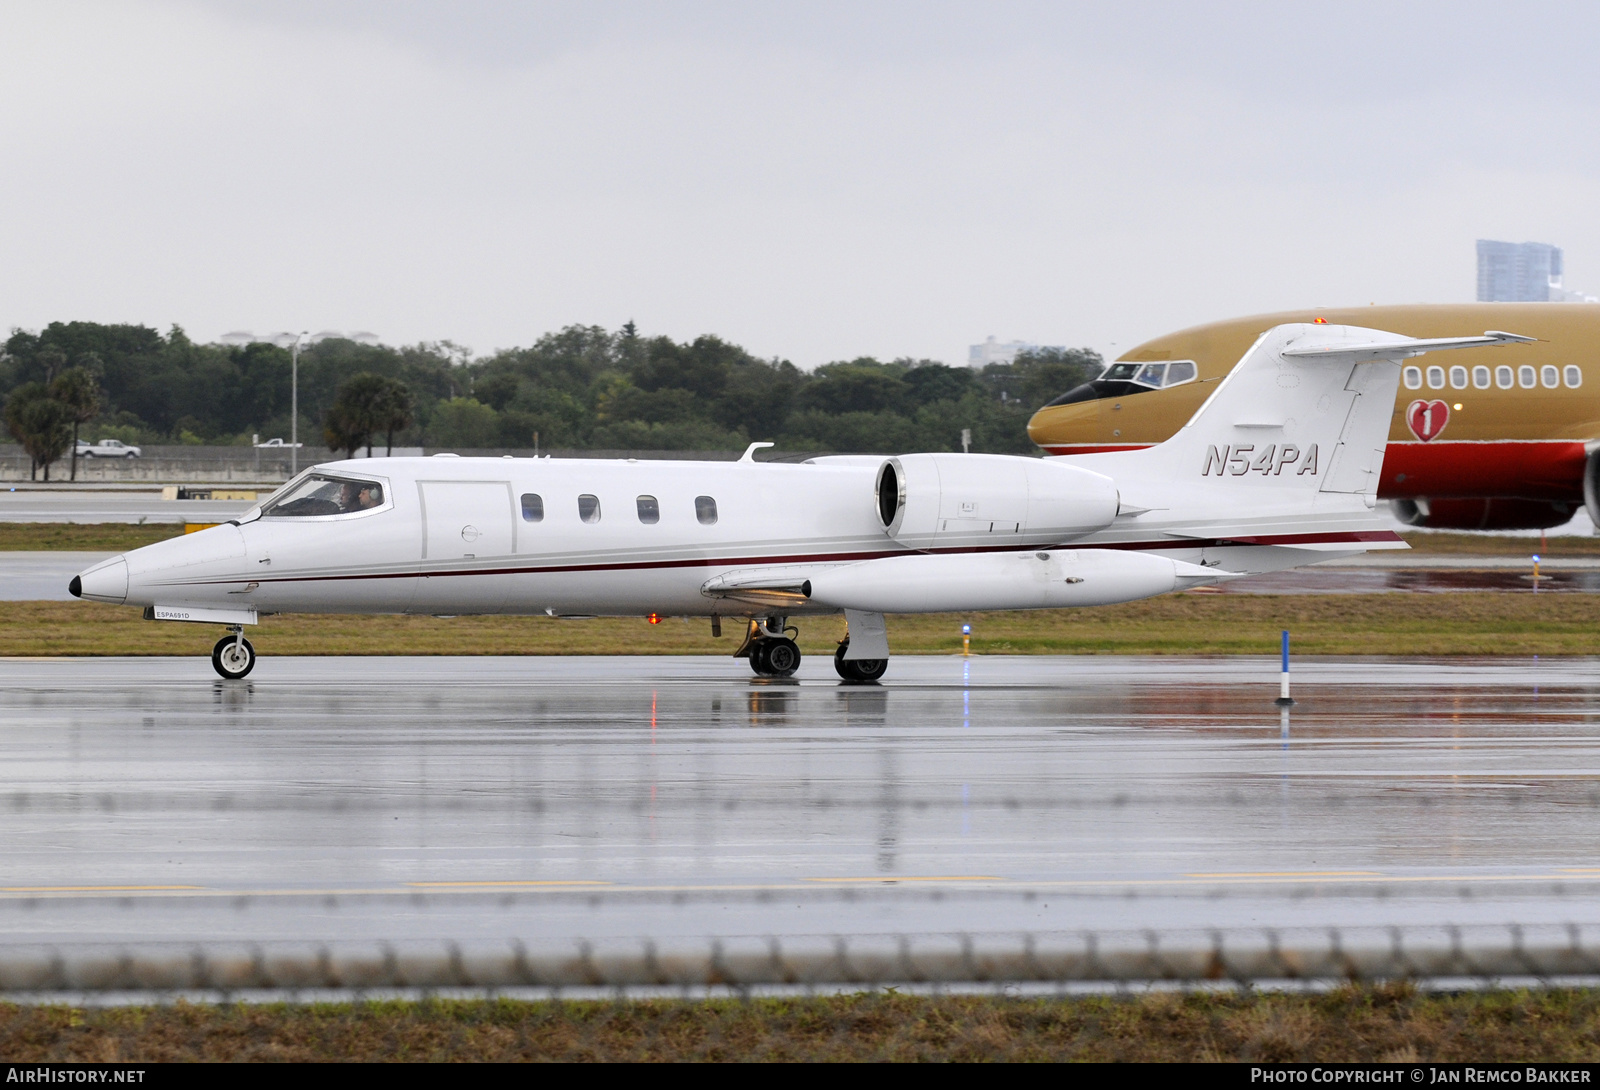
233, 657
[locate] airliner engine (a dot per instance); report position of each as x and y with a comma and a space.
1492, 513
1021, 580
930, 501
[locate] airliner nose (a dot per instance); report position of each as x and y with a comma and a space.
107, 581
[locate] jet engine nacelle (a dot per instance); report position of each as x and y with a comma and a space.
928, 501
1494, 513
956, 582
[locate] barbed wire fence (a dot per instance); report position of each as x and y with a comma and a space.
1089, 961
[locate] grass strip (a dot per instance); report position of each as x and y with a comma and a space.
1468, 623
1500, 545
1386, 1024
110, 537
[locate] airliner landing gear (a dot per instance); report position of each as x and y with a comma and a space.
771, 651
857, 669
233, 656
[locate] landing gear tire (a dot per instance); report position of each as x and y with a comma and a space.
775, 658
858, 669
233, 657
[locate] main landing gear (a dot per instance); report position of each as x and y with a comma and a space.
857, 669
772, 652
770, 648
233, 656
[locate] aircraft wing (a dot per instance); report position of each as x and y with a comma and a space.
1401, 348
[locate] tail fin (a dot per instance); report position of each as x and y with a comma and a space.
1308, 406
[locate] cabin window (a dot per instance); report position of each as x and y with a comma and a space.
1574, 376
1412, 377
649, 510
1480, 377
1550, 375
1436, 378
1458, 378
589, 508
1180, 372
321, 495
1502, 377
705, 509
1526, 377
532, 507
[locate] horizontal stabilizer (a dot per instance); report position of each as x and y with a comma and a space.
1401, 347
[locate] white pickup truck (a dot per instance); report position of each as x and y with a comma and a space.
106, 448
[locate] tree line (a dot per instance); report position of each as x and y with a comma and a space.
583, 387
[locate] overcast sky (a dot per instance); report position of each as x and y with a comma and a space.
814, 181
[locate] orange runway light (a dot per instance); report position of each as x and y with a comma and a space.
1319, 321
654, 618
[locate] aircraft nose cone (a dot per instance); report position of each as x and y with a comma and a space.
107, 581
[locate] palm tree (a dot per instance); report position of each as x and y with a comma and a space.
394, 411
40, 423
78, 390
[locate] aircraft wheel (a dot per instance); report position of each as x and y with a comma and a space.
782, 658
758, 659
858, 669
233, 657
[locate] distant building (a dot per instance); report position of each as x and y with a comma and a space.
992, 351
1523, 272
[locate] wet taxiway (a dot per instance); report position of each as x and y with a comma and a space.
548, 799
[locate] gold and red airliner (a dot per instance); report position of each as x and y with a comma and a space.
1495, 439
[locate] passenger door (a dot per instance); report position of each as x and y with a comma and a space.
466, 520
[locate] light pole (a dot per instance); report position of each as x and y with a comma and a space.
294, 403
293, 342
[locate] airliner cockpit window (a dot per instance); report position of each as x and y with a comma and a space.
319, 495
1127, 379
1151, 374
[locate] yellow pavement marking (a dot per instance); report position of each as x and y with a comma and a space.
1571, 874
1287, 874
916, 878
94, 889
511, 882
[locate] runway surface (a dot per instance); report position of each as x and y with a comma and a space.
27, 505
42, 576
548, 800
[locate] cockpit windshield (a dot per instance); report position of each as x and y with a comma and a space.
1123, 379
322, 495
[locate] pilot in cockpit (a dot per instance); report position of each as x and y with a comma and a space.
359, 496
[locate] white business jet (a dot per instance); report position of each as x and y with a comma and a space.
1279, 468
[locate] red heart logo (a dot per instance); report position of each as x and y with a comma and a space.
1427, 419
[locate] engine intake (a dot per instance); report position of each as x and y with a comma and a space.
928, 501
